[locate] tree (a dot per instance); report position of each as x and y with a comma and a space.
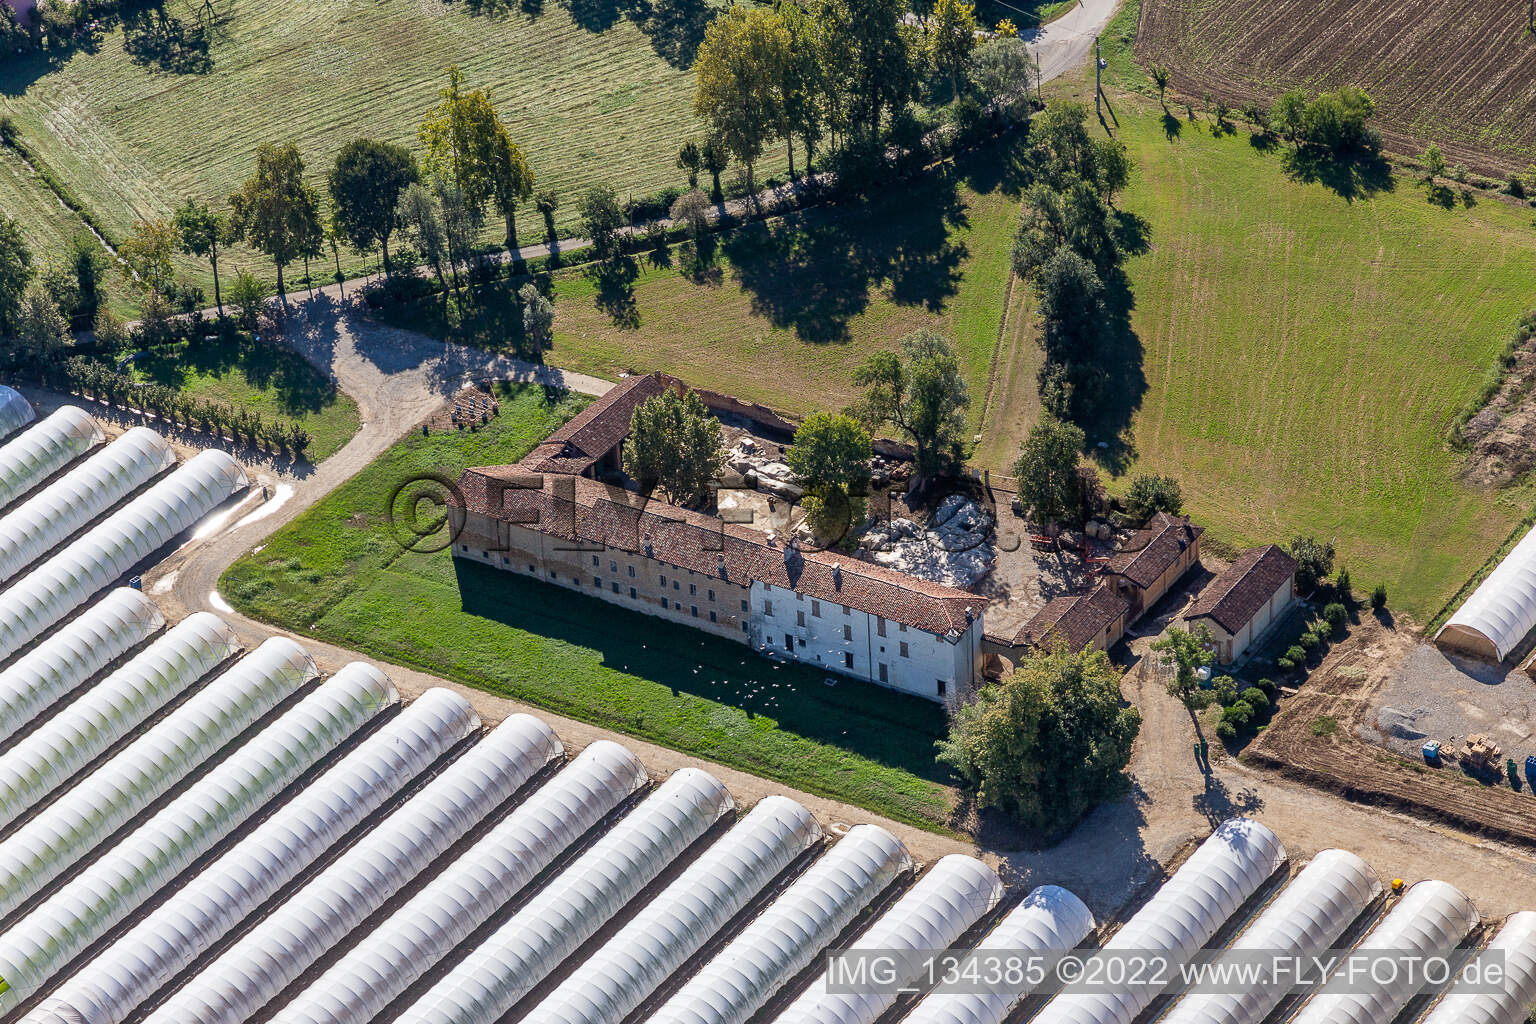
466, 143
15, 272
1160, 79
1049, 742
1113, 163
461, 225
547, 202
690, 160
1003, 70
1290, 114
602, 219
1076, 218
88, 263
58, 280
1188, 651
248, 295
274, 211
538, 318
1071, 307
715, 161
201, 230
737, 75
1434, 162
365, 184
110, 331
512, 178
418, 215
951, 38
674, 444
1046, 470
869, 61
802, 84
146, 255
832, 453
1151, 494
922, 392
41, 329
690, 211
1314, 561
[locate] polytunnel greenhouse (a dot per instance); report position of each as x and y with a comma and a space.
1429, 921
1516, 942
280, 948
95, 900
102, 556
952, 896
1049, 920
676, 924
101, 634
15, 411
463, 896
1501, 611
1183, 915
1308, 916
521, 953
86, 728
72, 502
45, 449
218, 898
67, 828
786, 937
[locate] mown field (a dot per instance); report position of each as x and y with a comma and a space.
338, 573
1460, 72
600, 97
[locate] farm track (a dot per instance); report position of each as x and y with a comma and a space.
1477, 60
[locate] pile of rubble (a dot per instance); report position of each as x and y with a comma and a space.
752, 464
955, 548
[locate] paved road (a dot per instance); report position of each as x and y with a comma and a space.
1065, 43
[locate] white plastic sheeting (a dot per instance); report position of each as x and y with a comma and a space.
120, 880
100, 635
553, 924
67, 828
58, 511
44, 450
1494, 620
784, 939
112, 709
675, 925
463, 896
1306, 918
15, 411
1429, 921
1049, 920
956, 892
124, 539
1516, 941
319, 916
111, 987
1183, 915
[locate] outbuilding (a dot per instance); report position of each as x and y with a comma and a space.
1241, 603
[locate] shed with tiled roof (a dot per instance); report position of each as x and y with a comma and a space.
1152, 560
1095, 619
1244, 600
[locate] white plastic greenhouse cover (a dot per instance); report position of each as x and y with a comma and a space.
118, 882
124, 539
1517, 942
135, 966
112, 709
567, 911
465, 894
58, 511
1306, 918
15, 411
784, 939
1182, 916
101, 634
675, 925
1429, 921
318, 917
44, 450
1049, 920
956, 892
1502, 609
67, 828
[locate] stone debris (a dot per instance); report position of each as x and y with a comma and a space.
956, 548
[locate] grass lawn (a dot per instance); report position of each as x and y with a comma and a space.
592, 96
275, 382
338, 573
793, 306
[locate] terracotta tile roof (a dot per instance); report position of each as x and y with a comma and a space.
1233, 598
1148, 553
596, 430
580, 509
1078, 618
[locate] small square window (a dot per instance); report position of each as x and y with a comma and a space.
693, 589
505, 560
613, 566
901, 627
531, 568
711, 595
615, 588
744, 606
816, 608
598, 583
801, 642
847, 659
676, 585
631, 572
553, 575
904, 652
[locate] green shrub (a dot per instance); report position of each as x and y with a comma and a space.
1379, 596
1306, 642
1226, 731
1341, 586
1268, 687
1256, 699
1285, 664
1324, 725
1239, 714
1336, 614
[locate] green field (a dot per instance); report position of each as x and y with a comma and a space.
603, 99
795, 305
338, 573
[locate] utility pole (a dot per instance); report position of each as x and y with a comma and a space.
1098, 83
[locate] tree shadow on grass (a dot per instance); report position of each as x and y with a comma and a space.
1352, 176
1172, 126
615, 281
675, 28
886, 727
297, 386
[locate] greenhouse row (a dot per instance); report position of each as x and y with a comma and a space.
106, 631
462, 897
115, 885
15, 411
103, 555
112, 709
198, 915
44, 449
1516, 943
76, 499
72, 825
